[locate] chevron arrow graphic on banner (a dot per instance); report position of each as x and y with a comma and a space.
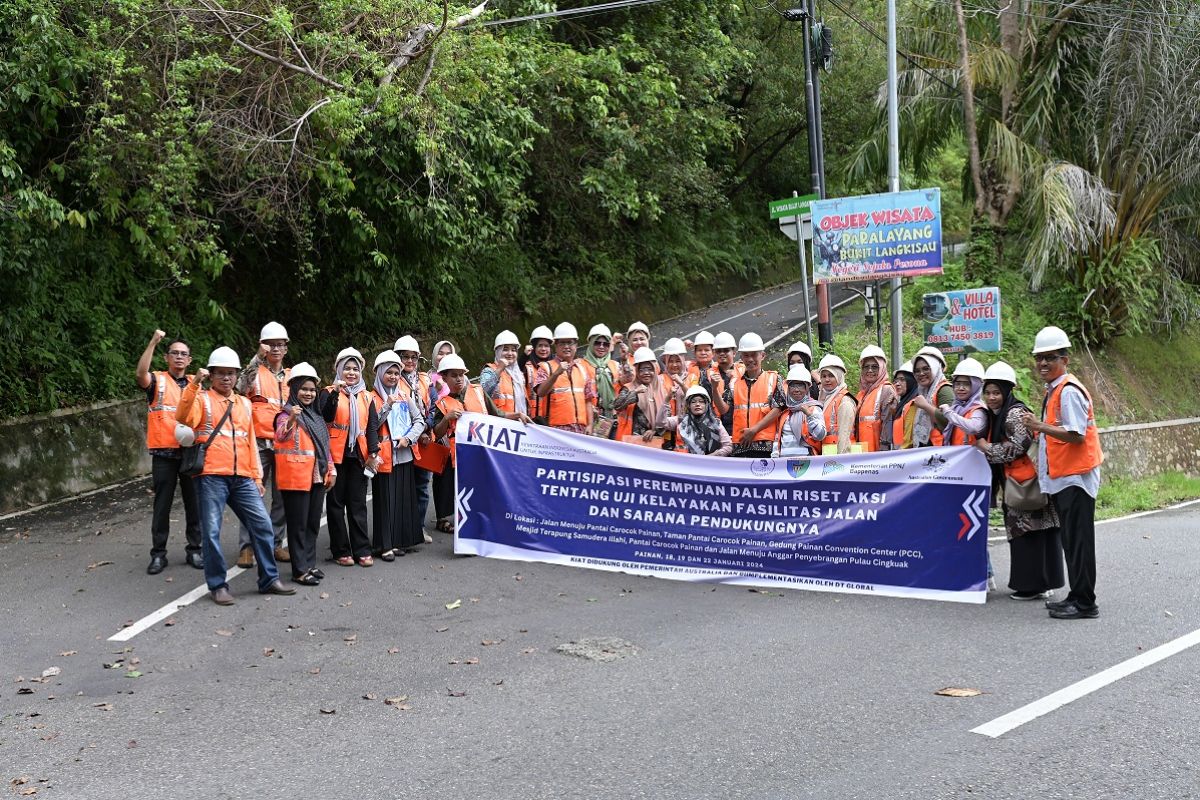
974, 513
463, 505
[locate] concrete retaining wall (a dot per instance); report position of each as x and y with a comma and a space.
47, 457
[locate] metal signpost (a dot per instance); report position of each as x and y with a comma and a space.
795, 220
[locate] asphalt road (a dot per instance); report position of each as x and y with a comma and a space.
729, 694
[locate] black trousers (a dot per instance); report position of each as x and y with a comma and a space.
443, 493
164, 474
347, 503
303, 511
1077, 523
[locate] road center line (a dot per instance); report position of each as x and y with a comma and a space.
795, 328
743, 313
155, 617
1013, 719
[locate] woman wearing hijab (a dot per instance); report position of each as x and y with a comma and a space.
933, 391
698, 430
503, 380
802, 426
604, 371
644, 399
876, 401
304, 470
443, 484
904, 383
396, 527
1033, 536
838, 405
415, 386
354, 443
966, 417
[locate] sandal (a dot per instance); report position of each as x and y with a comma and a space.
445, 525
388, 555
316, 573
344, 561
307, 579
366, 561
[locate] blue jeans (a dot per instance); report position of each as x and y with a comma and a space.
241, 494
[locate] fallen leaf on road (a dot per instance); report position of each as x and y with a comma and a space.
528, 650
454, 605
132, 744
50, 672
456, 692
268, 651
25, 690
395, 701
32, 790
498, 683
315, 671
591, 599
134, 661
169, 580
474, 599
170, 621
223, 632
441, 630
133, 673
471, 661
518, 578
453, 661
347, 604
103, 706
328, 710
350, 638
368, 696
23, 779
490, 642
393, 650
952, 691
114, 664
66, 653
98, 564
324, 595
1168, 613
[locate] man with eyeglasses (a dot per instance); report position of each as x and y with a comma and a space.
265, 381
163, 390
1069, 459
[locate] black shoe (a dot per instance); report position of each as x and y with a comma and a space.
1072, 611
1053, 604
157, 565
195, 560
320, 575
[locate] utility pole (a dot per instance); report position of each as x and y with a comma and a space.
817, 171
896, 307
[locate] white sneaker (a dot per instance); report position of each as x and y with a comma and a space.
991, 583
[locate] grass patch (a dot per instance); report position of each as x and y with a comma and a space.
1120, 496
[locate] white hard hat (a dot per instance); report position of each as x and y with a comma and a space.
452, 361
350, 352
969, 367
831, 360
600, 330
224, 357
406, 343
905, 367
801, 347
674, 347
638, 326
702, 339
506, 337
303, 370
184, 435
724, 341
271, 331
565, 330
1050, 339
751, 343
386, 357
541, 332
799, 372
644, 355
872, 351
1000, 372
695, 391
931, 352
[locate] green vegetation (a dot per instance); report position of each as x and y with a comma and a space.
1120, 496
358, 170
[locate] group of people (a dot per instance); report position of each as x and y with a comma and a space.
320, 447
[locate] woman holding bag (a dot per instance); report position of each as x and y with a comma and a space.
304, 470
1033, 540
394, 512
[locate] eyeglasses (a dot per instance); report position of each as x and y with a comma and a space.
922, 371
408, 356
277, 346
601, 343
870, 368
178, 353
1046, 358
962, 384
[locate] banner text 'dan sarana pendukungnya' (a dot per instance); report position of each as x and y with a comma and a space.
908, 523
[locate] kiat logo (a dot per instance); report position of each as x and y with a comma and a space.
495, 436
831, 467
797, 467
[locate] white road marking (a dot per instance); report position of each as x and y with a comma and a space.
153, 618
742, 314
60, 501
797, 327
1013, 719
1184, 504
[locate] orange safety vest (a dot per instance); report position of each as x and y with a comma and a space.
385, 437
830, 413
868, 427
813, 443
268, 396
568, 406
714, 378
936, 437
898, 426
1063, 459
505, 398
233, 452
474, 401
160, 419
1020, 469
754, 402
295, 462
339, 429
958, 435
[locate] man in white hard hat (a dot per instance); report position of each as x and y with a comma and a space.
265, 382
232, 473
163, 389
564, 383
724, 356
1069, 458
756, 399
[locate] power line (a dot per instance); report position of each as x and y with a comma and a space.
1145, 25
579, 11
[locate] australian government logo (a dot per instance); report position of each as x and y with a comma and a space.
931, 469
762, 466
796, 467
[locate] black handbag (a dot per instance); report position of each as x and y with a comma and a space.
192, 458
